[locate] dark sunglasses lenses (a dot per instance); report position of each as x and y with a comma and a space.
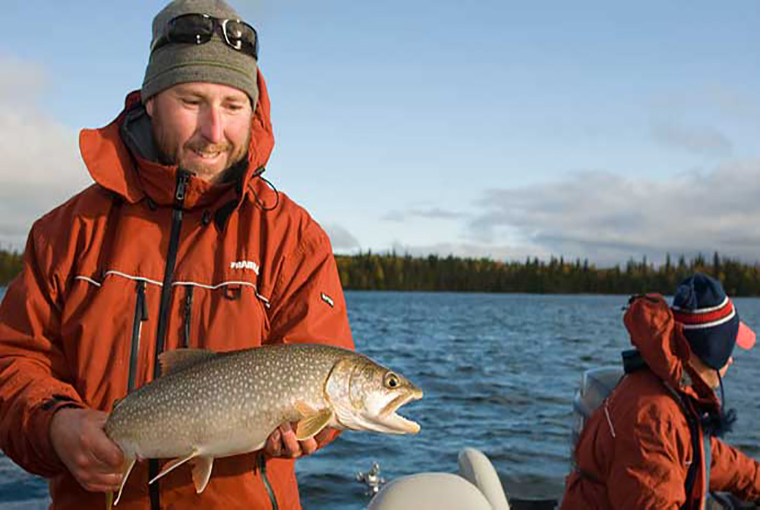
190, 28
198, 29
241, 36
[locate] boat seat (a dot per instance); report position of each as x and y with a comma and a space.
476, 487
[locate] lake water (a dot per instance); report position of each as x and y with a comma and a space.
499, 372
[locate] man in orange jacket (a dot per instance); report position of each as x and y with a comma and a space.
179, 243
654, 442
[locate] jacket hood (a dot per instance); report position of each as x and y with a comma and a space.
661, 343
130, 175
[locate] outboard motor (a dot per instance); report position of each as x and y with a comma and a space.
596, 385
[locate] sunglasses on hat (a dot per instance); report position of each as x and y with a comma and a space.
199, 28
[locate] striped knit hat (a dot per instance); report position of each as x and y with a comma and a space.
710, 321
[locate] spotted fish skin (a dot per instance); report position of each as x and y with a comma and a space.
240, 396
211, 405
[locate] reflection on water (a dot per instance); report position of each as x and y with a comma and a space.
498, 371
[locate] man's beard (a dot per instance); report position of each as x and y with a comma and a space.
169, 149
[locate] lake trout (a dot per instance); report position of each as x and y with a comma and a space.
216, 404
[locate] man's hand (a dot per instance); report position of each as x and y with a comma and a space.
79, 440
283, 443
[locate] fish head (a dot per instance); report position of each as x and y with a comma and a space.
366, 395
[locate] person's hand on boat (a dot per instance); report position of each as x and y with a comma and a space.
283, 443
92, 458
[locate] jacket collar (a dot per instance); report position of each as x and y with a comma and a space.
127, 173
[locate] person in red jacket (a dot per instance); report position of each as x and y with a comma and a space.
178, 243
654, 442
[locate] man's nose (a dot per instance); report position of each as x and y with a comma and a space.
212, 125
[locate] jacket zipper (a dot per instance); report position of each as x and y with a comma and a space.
183, 176
141, 315
188, 315
267, 485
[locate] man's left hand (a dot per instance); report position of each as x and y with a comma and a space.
283, 443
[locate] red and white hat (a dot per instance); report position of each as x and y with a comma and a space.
709, 319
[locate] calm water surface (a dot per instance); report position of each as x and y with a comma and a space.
499, 372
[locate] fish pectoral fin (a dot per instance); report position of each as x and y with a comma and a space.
126, 468
202, 472
309, 426
180, 359
305, 409
172, 464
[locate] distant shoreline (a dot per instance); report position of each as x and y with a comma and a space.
389, 271
368, 271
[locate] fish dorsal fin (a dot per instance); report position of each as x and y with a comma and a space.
313, 421
180, 359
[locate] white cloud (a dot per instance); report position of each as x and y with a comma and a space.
340, 238
719, 102
735, 104
40, 165
473, 250
431, 213
609, 218
704, 140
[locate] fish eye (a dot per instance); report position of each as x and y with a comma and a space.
392, 381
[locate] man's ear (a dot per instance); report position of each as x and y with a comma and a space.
149, 105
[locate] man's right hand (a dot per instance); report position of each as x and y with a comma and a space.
92, 458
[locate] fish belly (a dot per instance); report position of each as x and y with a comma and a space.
211, 439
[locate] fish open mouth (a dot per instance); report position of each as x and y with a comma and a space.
394, 423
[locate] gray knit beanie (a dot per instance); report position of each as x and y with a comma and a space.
213, 62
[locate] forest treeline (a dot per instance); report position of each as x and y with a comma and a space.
372, 271
10, 266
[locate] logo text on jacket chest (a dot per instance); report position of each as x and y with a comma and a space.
245, 264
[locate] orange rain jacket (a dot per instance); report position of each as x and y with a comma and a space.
79, 325
635, 450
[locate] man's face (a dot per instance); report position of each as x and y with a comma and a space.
708, 374
202, 127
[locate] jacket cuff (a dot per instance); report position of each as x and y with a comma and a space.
41, 419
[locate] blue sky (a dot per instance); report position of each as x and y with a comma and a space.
591, 129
